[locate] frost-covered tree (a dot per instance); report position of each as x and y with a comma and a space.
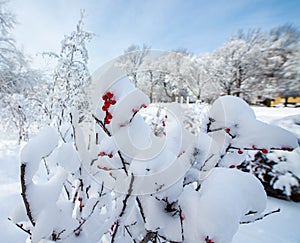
283, 66
196, 73
256, 63
17, 79
171, 65
134, 56
234, 66
13, 65
71, 75
120, 181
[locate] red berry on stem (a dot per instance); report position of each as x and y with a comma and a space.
182, 217
104, 108
107, 104
208, 240
107, 121
104, 97
254, 147
163, 123
227, 130
80, 199
109, 95
232, 166
102, 153
144, 106
109, 115
113, 102
240, 151
264, 151
110, 155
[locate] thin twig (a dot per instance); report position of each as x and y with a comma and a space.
260, 218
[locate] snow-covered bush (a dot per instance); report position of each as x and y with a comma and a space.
279, 171
122, 180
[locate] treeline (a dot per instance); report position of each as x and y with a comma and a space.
250, 64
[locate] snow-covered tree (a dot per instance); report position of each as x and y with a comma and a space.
119, 181
257, 63
17, 79
284, 48
234, 67
71, 76
134, 56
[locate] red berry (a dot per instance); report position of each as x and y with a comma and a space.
163, 123
110, 173
144, 106
227, 130
21, 225
104, 97
240, 151
81, 206
166, 116
109, 115
264, 151
107, 104
254, 147
134, 110
80, 199
208, 240
104, 108
113, 102
109, 95
182, 217
102, 153
107, 121
232, 166
110, 155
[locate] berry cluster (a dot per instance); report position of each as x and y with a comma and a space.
104, 154
81, 205
108, 101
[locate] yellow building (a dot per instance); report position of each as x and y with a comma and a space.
283, 100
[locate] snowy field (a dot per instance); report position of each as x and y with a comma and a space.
283, 227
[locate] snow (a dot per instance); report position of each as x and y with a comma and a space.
280, 227
220, 203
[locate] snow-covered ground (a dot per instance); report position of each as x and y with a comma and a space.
282, 227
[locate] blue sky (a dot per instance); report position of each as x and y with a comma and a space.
199, 26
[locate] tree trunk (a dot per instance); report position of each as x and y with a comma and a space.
286, 101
